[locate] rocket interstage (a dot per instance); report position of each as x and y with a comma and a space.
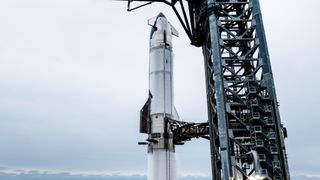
159, 107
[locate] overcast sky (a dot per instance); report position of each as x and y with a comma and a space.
74, 75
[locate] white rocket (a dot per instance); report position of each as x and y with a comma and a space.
159, 107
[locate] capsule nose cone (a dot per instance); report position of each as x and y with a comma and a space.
153, 21
161, 15
159, 21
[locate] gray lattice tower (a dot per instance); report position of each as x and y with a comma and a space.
246, 134
241, 95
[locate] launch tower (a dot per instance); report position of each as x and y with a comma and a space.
244, 127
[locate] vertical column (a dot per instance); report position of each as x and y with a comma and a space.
264, 55
220, 102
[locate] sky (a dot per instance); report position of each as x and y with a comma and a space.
74, 76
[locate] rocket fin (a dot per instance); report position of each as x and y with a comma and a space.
174, 31
145, 116
152, 21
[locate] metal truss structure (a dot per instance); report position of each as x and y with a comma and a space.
185, 131
244, 127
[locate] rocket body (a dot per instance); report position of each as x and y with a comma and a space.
161, 66
159, 107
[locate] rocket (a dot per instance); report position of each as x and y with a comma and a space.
159, 107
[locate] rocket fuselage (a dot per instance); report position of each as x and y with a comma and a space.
161, 80
161, 163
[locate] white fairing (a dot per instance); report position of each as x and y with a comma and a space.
162, 165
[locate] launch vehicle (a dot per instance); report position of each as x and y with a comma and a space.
159, 106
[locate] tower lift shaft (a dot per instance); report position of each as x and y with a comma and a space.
245, 130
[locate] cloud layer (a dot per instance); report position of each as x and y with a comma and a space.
16, 174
